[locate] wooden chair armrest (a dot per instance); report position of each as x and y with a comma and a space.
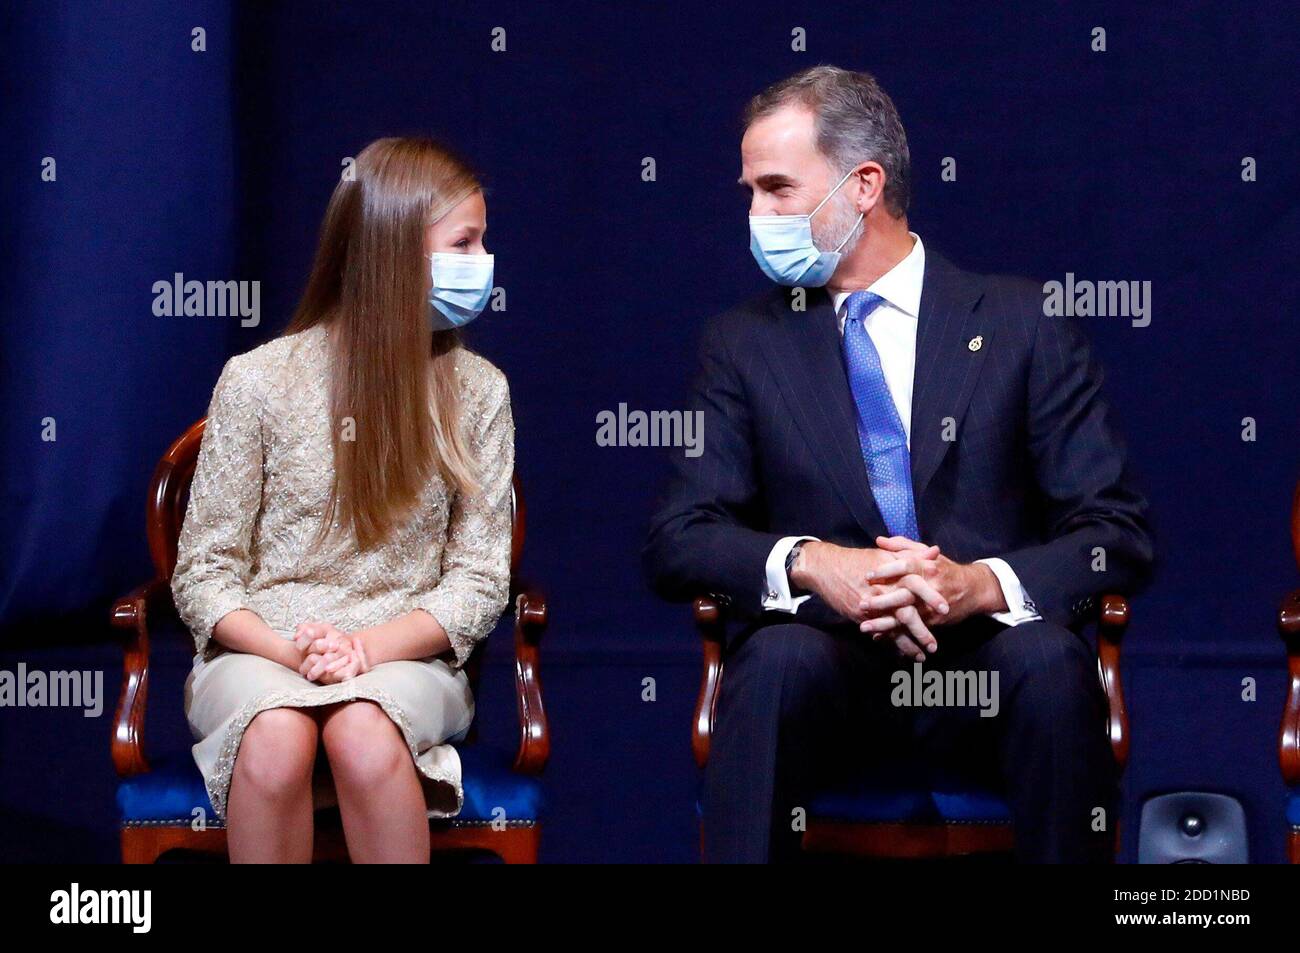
1288, 737
156, 594
710, 620
130, 614
1112, 620
531, 618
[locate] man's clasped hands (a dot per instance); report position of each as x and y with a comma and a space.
899, 590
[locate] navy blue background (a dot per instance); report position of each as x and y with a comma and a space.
1122, 165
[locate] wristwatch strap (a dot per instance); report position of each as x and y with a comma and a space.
789, 567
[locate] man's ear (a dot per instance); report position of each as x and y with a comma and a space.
870, 177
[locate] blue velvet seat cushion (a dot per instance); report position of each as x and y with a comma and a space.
874, 803
173, 789
1293, 809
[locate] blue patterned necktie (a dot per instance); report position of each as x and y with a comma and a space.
880, 429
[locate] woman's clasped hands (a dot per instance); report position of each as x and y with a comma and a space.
329, 654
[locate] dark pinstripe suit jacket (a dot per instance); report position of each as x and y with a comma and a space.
1033, 471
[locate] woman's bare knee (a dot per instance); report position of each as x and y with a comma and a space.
277, 752
363, 745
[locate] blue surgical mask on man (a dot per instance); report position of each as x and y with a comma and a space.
459, 290
783, 246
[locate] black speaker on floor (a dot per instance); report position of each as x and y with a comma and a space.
1192, 827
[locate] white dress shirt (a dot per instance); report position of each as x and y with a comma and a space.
892, 326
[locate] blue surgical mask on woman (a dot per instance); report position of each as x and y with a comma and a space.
783, 246
459, 290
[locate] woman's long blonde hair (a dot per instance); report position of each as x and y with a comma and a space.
369, 282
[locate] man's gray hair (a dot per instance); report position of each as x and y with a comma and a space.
856, 122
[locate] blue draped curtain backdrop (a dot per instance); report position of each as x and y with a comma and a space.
142, 140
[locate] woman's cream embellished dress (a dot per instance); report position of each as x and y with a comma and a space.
263, 477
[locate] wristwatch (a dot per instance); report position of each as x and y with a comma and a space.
789, 567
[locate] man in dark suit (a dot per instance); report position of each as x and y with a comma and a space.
902, 462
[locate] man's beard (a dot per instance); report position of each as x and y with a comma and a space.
837, 219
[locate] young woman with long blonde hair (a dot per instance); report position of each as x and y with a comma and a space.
347, 540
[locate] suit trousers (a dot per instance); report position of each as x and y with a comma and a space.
802, 707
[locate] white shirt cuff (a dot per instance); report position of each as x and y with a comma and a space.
776, 594
1020, 608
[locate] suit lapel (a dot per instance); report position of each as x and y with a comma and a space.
946, 366
805, 356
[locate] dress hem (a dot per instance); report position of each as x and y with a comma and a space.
218, 784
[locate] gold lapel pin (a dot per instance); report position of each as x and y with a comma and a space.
976, 342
